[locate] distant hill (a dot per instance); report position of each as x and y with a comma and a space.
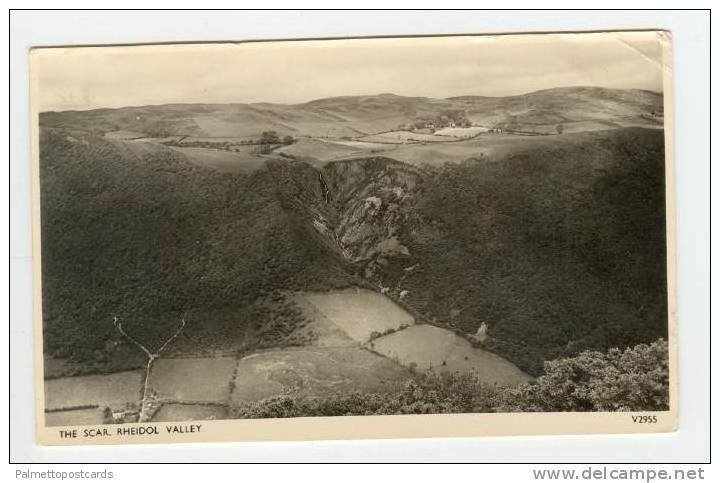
565, 105
354, 116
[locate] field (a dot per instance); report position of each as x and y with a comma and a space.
321, 150
216, 140
124, 135
314, 372
189, 412
319, 330
242, 123
432, 348
488, 147
359, 312
401, 137
433, 155
206, 380
112, 390
242, 159
223, 160
364, 146
329, 149
637, 121
461, 132
75, 417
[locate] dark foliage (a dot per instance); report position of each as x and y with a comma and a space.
149, 236
635, 379
558, 249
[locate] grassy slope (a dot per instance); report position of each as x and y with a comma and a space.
554, 106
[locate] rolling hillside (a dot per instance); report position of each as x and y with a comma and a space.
362, 115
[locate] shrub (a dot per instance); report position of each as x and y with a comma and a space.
635, 379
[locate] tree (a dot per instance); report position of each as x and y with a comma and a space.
287, 140
107, 415
559, 128
147, 405
269, 137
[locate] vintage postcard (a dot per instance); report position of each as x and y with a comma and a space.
354, 238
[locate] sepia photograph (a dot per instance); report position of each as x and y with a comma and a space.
239, 233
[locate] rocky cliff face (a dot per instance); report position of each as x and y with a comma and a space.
362, 209
374, 202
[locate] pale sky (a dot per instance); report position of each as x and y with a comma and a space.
294, 72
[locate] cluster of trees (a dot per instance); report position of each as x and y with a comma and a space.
272, 137
446, 119
266, 143
634, 379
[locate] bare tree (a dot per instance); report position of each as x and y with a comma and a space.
145, 403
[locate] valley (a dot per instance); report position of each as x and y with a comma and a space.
345, 245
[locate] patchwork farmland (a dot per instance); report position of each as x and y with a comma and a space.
367, 343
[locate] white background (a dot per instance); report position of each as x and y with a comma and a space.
691, 42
